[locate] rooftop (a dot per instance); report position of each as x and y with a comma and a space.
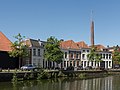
5, 43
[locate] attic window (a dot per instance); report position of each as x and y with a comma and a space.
83, 50
87, 50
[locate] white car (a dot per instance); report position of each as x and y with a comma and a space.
28, 67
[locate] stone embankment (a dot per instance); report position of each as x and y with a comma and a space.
23, 75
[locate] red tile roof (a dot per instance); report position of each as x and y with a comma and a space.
70, 44
5, 43
99, 47
82, 44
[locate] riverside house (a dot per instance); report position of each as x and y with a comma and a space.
75, 54
36, 49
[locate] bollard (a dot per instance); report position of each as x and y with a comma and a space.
8, 70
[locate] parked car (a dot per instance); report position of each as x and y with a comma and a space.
70, 68
28, 67
116, 66
88, 68
79, 68
57, 68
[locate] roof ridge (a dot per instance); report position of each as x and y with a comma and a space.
4, 36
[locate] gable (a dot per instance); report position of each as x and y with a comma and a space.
5, 43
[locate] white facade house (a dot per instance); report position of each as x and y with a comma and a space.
106, 60
36, 57
75, 54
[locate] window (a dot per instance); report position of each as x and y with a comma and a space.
72, 55
38, 52
87, 50
109, 63
77, 56
83, 50
64, 63
74, 63
106, 56
85, 63
103, 56
92, 63
46, 64
34, 61
77, 63
34, 52
83, 56
70, 63
65, 54
109, 56
67, 63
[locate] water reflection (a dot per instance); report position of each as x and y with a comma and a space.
107, 83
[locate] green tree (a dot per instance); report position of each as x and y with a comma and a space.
94, 55
19, 49
53, 51
91, 56
116, 55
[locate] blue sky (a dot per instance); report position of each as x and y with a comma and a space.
64, 19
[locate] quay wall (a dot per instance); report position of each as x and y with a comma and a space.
7, 76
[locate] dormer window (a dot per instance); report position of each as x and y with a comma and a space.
87, 50
83, 50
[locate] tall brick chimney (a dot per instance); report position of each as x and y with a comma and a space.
92, 33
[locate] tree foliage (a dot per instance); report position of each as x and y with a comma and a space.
116, 55
94, 55
53, 51
19, 49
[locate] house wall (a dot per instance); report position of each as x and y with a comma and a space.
83, 60
71, 58
36, 57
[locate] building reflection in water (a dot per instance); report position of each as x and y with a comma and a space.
89, 84
106, 83
75, 84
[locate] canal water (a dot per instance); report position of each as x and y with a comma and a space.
106, 83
